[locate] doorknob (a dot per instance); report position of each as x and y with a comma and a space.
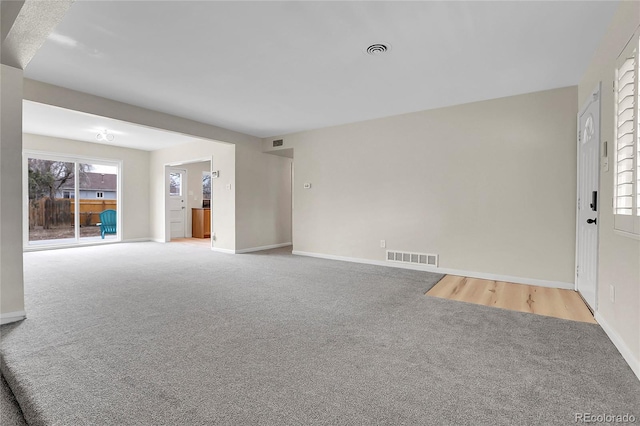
592, 221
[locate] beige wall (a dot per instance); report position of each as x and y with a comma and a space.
11, 276
255, 211
135, 176
263, 222
263, 200
489, 186
619, 256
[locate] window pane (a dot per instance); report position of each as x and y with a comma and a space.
175, 184
206, 186
98, 193
51, 188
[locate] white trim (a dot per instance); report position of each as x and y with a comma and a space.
575, 253
84, 244
447, 271
250, 249
159, 240
617, 341
10, 317
223, 250
76, 159
272, 246
179, 164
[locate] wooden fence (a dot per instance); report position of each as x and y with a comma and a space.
61, 212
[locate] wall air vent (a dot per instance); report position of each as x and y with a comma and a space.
278, 142
412, 258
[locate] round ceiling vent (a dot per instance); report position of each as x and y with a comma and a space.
378, 49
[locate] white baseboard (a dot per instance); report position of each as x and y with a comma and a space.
272, 246
622, 347
250, 249
84, 244
223, 250
158, 240
471, 274
137, 240
10, 317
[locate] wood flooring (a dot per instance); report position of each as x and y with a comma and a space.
204, 242
552, 302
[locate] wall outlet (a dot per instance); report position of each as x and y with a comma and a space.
612, 293
307, 185
383, 243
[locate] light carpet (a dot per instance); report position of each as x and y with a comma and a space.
164, 334
10, 414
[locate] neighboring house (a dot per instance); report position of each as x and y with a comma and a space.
92, 186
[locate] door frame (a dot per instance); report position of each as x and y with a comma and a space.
167, 213
596, 95
71, 158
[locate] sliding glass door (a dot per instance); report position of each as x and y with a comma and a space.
50, 207
70, 200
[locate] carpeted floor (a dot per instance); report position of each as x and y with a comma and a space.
164, 334
10, 413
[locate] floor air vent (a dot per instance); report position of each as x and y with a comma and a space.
414, 258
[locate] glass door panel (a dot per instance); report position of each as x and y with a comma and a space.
97, 201
51, 201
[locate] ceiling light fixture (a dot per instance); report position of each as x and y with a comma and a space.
105, 136
378, 49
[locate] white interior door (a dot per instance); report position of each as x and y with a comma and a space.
588, 185
177, 205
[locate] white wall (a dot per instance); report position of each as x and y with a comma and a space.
11, 276
489, 186
135, 176
619, 256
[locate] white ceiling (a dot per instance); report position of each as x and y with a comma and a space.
40, 119
270, 68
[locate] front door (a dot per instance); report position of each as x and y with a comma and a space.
588, 200
177, 205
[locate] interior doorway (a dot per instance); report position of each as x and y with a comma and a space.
188, 198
